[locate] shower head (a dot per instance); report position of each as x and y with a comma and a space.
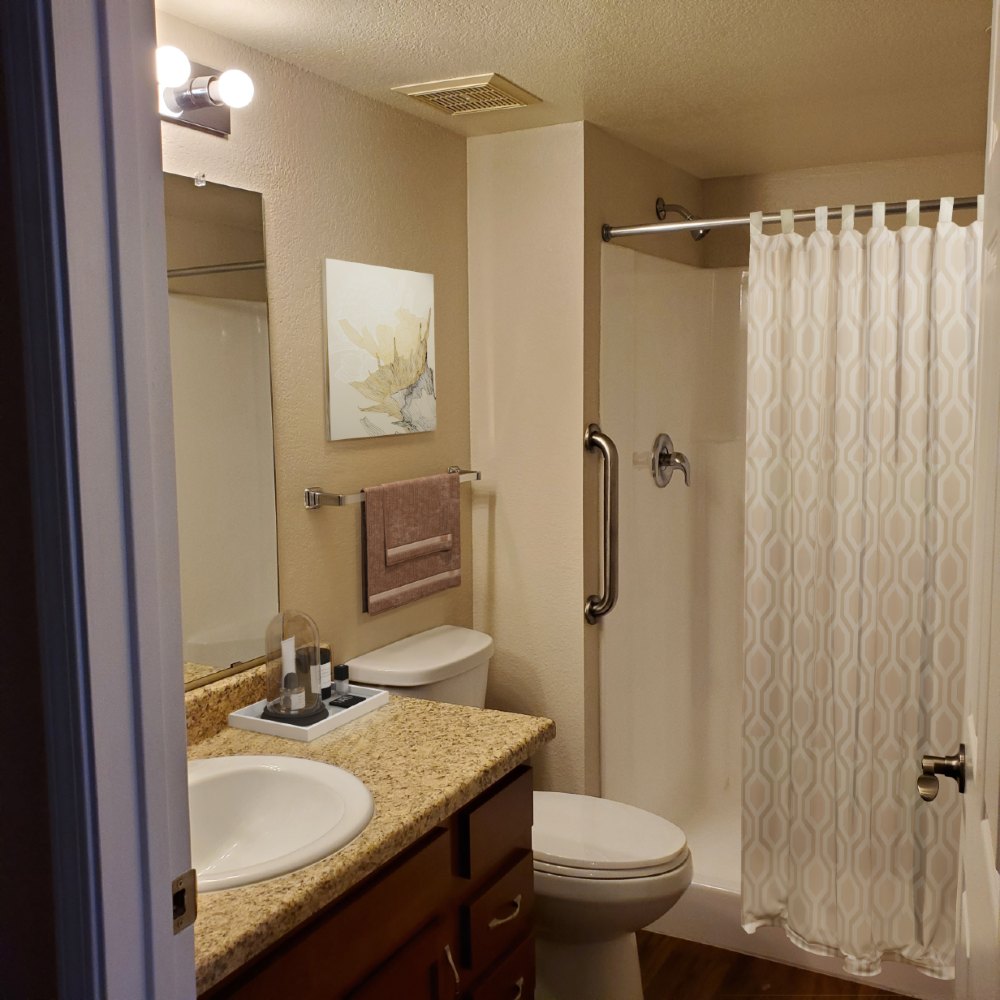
662, 208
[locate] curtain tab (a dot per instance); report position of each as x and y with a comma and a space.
980, 205
913, 211
847, 218
947, 207
757, 222
787, 222
821, 217
878, 215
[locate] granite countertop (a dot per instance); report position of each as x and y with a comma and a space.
421, 760
197, 671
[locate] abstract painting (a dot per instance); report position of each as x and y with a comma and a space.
380, 351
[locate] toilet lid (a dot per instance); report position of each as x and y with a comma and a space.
425, 658
580, 831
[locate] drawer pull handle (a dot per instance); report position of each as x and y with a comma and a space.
500, 921
451, 963
518, 989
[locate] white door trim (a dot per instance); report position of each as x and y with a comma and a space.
113, 204
978, 959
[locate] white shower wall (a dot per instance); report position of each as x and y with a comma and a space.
673, 361
225, 476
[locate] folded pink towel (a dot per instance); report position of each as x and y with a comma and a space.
412, 540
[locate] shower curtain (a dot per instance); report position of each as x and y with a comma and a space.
860, 378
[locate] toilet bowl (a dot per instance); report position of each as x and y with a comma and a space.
603, 869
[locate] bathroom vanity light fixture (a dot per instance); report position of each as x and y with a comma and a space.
199, 96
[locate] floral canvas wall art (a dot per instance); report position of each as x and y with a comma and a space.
380, 351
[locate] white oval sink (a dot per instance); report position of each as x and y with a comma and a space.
253, 818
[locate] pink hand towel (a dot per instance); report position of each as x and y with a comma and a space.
412, 541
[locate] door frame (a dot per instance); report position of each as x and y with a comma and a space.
977, 960
80, 89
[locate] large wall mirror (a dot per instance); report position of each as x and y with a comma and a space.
223, 438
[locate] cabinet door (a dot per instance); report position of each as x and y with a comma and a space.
350, 942
513, 978
417, 971
499, 916
496, 829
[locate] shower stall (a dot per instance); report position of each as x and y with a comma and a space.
222, 435
673, 360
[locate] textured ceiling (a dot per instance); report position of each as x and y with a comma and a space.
718, 87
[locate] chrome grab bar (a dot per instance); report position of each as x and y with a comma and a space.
596, 439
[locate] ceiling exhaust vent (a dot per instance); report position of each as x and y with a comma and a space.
468, 95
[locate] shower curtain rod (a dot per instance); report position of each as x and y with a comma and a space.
194, 272
609, 233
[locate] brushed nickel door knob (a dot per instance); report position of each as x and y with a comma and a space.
952, 766
928, 786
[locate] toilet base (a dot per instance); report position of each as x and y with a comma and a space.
592, 970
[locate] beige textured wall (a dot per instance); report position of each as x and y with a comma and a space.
925, 177
537, 200
526, 373
622, 185
341, 176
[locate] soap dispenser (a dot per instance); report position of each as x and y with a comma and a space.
293, 659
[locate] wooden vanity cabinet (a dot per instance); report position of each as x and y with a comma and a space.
450, 917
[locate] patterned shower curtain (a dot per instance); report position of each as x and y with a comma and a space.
860, 377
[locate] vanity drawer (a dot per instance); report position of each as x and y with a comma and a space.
513, 978
416, 971
496, 828
499, 916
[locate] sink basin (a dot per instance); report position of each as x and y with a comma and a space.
253, 818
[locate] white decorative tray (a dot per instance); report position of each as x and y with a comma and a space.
249, 717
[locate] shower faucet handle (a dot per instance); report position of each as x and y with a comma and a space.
665, 461
678, 460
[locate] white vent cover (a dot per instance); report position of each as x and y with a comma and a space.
468, 95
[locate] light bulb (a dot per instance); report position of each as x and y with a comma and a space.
172, 67
235, 88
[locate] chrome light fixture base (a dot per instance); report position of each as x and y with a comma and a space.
195, 108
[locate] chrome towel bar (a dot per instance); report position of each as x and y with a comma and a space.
596, 440
316, 498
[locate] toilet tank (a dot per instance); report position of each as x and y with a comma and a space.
447, 663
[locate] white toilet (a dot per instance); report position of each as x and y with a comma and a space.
603, 869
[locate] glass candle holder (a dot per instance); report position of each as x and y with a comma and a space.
293, 669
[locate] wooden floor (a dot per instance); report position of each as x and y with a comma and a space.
681, 970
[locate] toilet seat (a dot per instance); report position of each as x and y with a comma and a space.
587, 837
565, 871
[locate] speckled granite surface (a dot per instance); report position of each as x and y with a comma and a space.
207, 708
422, 760
197, 671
